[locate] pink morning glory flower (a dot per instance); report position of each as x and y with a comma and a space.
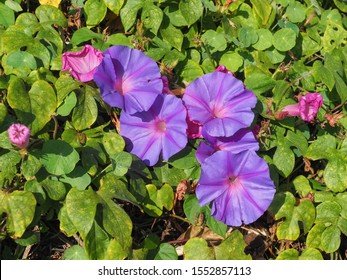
19, 135
223, 69
159, 131
193, 129
242, 140
82, 64
128, 79
238, 186
306, 109
220, 103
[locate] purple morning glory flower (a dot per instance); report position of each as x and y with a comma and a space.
19, 135
238, 185
220, 103
242, 140
160, 130
128, 79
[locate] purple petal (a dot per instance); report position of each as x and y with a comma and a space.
128, 79
242, 140
238, 185
220, 103
161, 129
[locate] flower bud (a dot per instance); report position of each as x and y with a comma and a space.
19, 135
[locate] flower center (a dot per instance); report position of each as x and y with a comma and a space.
160, 126
232, 180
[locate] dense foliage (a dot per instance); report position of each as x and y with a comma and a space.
74, 190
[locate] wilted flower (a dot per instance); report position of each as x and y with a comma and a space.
193, 129
238, 185
306, 109
220, 103
19, 135
128, 79
241, 141
161, 129
82, 64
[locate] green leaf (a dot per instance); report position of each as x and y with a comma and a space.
68, 104
302, 185
121, 163
170, 175
258, 81
283, 206
114, 6
284, 39
115, 251
33, 108
232, 61
171, 34
66, 225
197, 249
48, 14
86, 111
214, 41
191, 10
248, 36
81, 209
8, 162
95, 11
166, 252
341, 5
117, 188
265, 39
328, 213
335, 174
289, 254
284, 159
14, 38
65, 85
78, 178
192, 210
55, 190
115, 220
113, 143
157, 199
75, 252
334, 36
20, 208
152, 17
232, 248
331, 239
6, 16
21, 59
191, 71
96, 242
296, 12
129, 12
311, 254
58, 157
262, 11
315, 235
30, 166
298, 140
323, 147
84, 34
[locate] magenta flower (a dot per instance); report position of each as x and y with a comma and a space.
128, 79
223, 69
306, 109
160, 130
82, 64
19, 135
220, 103
241, 141
238, 185
194, 128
